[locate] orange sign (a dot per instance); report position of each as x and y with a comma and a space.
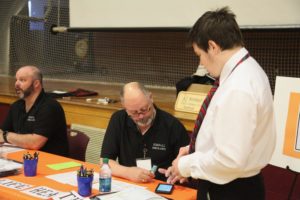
292, 129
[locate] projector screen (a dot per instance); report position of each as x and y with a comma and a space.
180, 13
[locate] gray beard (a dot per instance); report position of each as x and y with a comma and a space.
146, 123
27, 92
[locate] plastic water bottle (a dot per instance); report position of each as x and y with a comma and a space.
105, 177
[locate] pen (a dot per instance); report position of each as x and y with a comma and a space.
84, 172
36, 155
81, 170
28, 156
95, 197
90, 173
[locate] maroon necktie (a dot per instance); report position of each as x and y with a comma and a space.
201, 114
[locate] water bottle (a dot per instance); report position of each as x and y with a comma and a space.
105, 177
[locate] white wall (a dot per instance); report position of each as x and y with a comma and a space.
180, 13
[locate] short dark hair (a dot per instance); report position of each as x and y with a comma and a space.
219, 26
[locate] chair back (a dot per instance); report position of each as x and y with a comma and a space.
78, 142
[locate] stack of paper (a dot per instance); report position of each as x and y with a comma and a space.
133, 193
9, 167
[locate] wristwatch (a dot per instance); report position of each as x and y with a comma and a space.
4, 134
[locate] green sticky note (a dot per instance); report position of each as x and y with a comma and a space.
64, 165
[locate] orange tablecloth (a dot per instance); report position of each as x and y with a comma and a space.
180, 193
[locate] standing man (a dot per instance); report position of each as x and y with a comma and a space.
236, 136
141, 135
35, 121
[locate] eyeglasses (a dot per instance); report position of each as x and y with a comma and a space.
143, 111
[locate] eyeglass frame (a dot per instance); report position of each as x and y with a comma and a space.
141, 112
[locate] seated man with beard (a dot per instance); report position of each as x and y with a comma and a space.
35, 121
141, 134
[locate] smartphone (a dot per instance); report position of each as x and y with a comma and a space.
164, 188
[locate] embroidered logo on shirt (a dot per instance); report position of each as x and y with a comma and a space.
31, 118
161, 147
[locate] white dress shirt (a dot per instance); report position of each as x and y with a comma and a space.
237, 136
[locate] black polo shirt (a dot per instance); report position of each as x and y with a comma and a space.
163, 140
46, 117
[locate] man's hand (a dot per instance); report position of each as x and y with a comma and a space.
137, 174
172, 177
183, 151
172, 172
1, 137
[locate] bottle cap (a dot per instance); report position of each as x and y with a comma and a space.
105, 160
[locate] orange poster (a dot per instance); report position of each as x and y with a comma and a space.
291, 145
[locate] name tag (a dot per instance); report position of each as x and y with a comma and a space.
144, 163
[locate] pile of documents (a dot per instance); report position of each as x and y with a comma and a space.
9, 167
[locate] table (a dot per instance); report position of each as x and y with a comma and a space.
180, 192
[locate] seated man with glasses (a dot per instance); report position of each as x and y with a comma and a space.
141, 135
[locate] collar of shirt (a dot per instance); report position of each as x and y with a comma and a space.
231, 63
36, 103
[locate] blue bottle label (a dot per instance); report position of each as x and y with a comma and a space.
104, 184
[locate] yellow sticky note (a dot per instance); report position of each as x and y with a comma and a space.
64, 165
